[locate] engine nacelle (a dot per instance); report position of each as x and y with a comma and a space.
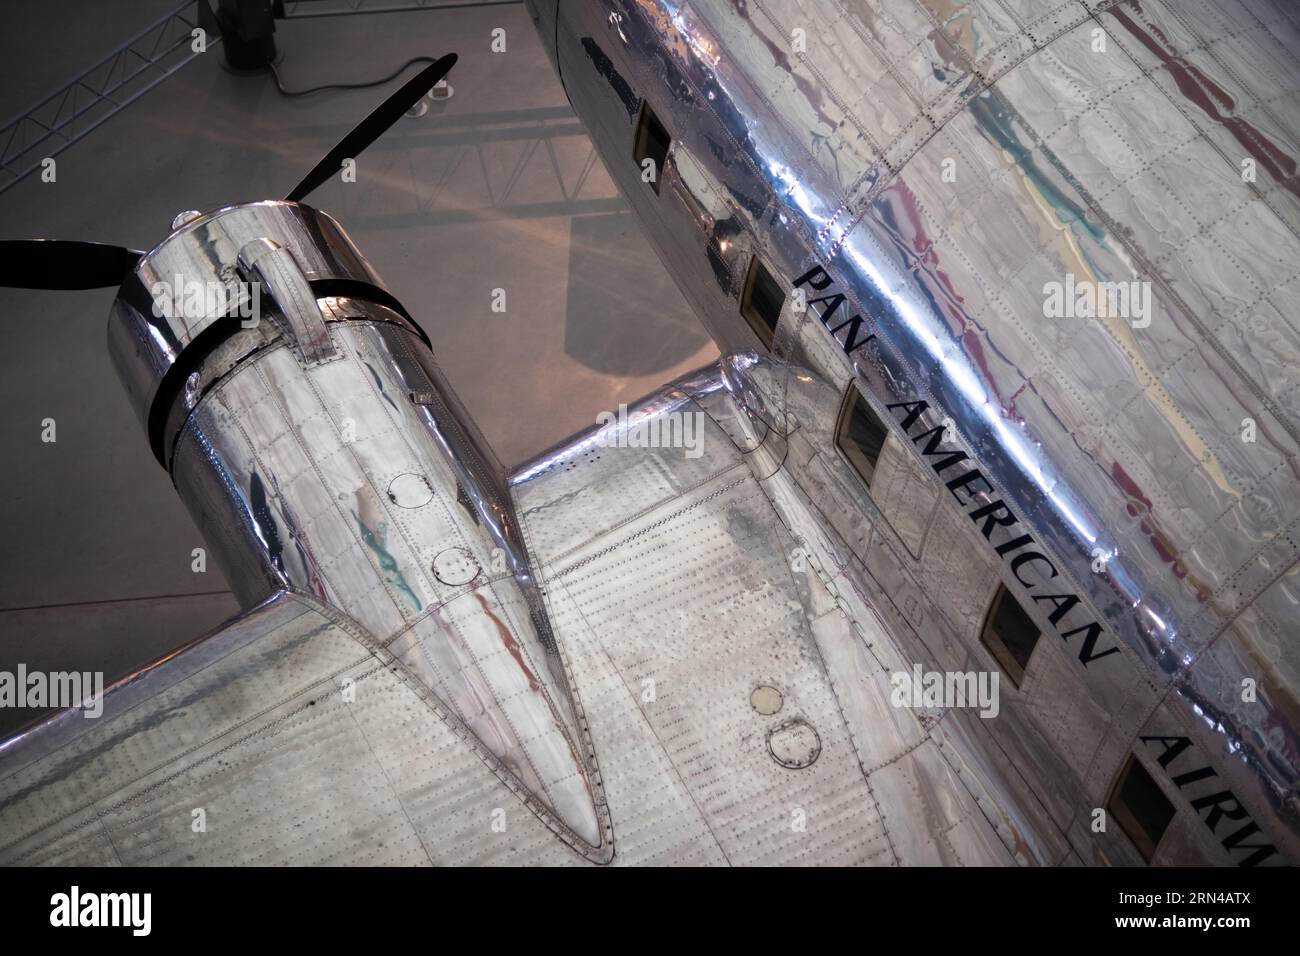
319, 448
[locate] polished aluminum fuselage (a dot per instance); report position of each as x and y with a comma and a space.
932, 169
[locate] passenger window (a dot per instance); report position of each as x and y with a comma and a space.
761, 302
860, 434
1140, 807
652, 142
900, 488
1010, 634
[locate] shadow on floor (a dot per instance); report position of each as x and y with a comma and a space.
618, 322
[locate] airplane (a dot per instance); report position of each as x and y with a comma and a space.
976, 546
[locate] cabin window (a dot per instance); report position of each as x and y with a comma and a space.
1140, 807
900, 490
860, 434
761, 302
652, 142
1010, 634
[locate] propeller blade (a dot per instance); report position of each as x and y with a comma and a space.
374, 125
63, 264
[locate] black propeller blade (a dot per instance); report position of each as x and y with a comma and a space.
63, 264
374, 125
69, 264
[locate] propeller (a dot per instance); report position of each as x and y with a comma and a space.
373, 126
63, 264
70, 264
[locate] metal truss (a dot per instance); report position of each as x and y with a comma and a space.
488, 155
126, 74
136, 67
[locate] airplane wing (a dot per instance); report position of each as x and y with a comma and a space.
734, 667
289, 736
729, 669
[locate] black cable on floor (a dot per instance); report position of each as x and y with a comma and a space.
348, 86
